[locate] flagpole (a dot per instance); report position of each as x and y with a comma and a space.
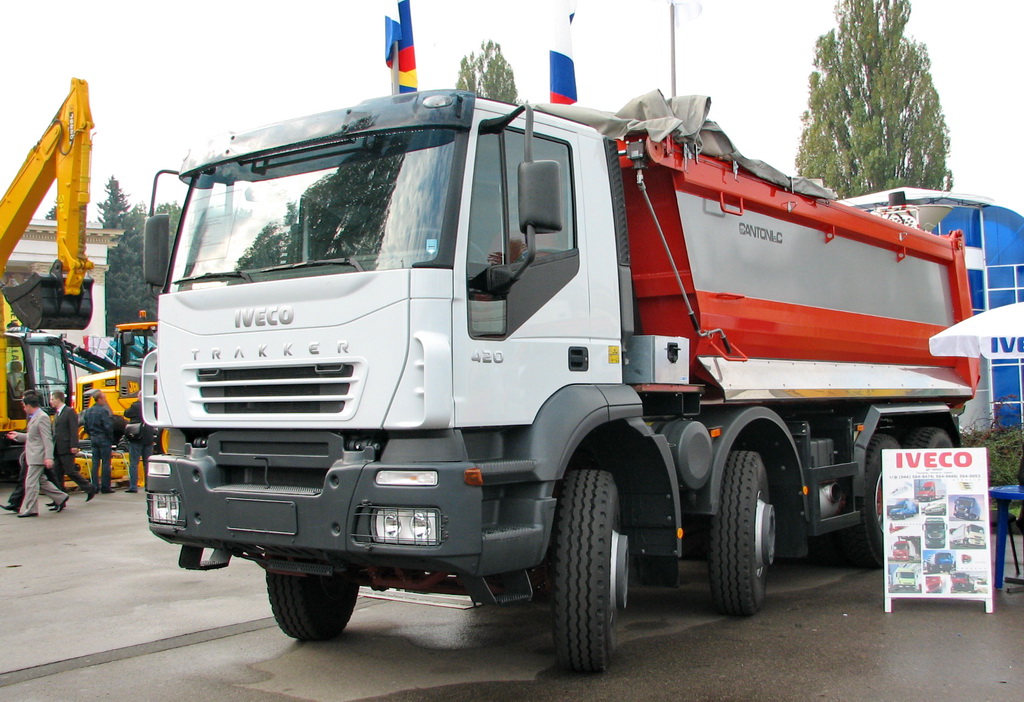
672, 35
395, 87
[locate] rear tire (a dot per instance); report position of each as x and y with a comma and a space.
588, 546
862, 544
742, 536
927, 438
311, 607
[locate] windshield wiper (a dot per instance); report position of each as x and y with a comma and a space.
344, 261
215, 275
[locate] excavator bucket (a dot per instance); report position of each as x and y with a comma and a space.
40, 303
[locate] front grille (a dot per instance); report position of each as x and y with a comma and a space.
283, 461
327, 388
283, 480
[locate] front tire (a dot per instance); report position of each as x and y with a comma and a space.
588, 570
742, 536
311, 607
862, 544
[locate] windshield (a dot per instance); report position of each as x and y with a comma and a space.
135, 345
369, 202
48, 369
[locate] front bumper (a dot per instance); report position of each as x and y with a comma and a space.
342, 523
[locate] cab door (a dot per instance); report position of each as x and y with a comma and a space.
513, 350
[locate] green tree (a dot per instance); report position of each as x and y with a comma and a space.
116, 207
488, 74
874, 120
126, 291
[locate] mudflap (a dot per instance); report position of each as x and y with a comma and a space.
40, 302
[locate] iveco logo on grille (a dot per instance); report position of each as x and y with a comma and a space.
264, 316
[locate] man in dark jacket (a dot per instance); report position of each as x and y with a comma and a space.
99, 425
140, 437
65, 444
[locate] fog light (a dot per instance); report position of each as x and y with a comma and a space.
164, 509
392, 527
420, 526
406, 526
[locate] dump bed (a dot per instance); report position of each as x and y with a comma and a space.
814, 299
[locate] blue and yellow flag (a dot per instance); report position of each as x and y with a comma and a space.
398, 31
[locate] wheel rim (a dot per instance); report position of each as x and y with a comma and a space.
764, 532
878, 503
619, 569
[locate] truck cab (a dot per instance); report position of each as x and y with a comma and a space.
905, 579
904, 509
925, 491
934, 532
35, 361
940, 562
901, 550
966, 507
961, 582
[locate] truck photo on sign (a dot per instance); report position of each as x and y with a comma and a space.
937, 540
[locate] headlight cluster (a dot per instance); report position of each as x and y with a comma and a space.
406, 526
165, 509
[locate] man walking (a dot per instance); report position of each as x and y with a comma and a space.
38, 440
99, 425
65, 445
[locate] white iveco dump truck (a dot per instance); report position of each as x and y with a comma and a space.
443, 344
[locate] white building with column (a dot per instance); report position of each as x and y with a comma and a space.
36, 252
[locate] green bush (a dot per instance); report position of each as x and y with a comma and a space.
1004, 446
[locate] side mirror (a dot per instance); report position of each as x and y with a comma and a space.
156, 247
540, 196
540, 210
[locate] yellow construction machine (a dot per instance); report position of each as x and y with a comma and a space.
61, 299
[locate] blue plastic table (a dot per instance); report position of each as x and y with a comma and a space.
1004, 495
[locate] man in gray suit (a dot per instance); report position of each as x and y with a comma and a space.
38, 440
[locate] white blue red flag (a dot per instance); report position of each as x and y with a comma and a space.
398, 31
563, 70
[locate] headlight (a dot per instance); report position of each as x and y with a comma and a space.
406, 526
158, 469
426, 478
165, 509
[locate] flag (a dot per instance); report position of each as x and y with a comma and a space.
563, 70
685, 10
398, 30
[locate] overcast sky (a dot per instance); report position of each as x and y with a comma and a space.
165, 77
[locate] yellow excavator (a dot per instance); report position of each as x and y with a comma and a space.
61, 299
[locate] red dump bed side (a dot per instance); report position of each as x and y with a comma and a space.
793, 278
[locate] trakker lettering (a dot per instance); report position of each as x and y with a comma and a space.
760, 233
285, 350
264, 316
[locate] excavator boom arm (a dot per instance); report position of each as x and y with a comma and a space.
62, 298
62, 155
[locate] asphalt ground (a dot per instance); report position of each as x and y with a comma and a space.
93, 607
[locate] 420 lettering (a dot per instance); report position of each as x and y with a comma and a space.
487, 357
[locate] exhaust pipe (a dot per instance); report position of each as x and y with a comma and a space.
831, 500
